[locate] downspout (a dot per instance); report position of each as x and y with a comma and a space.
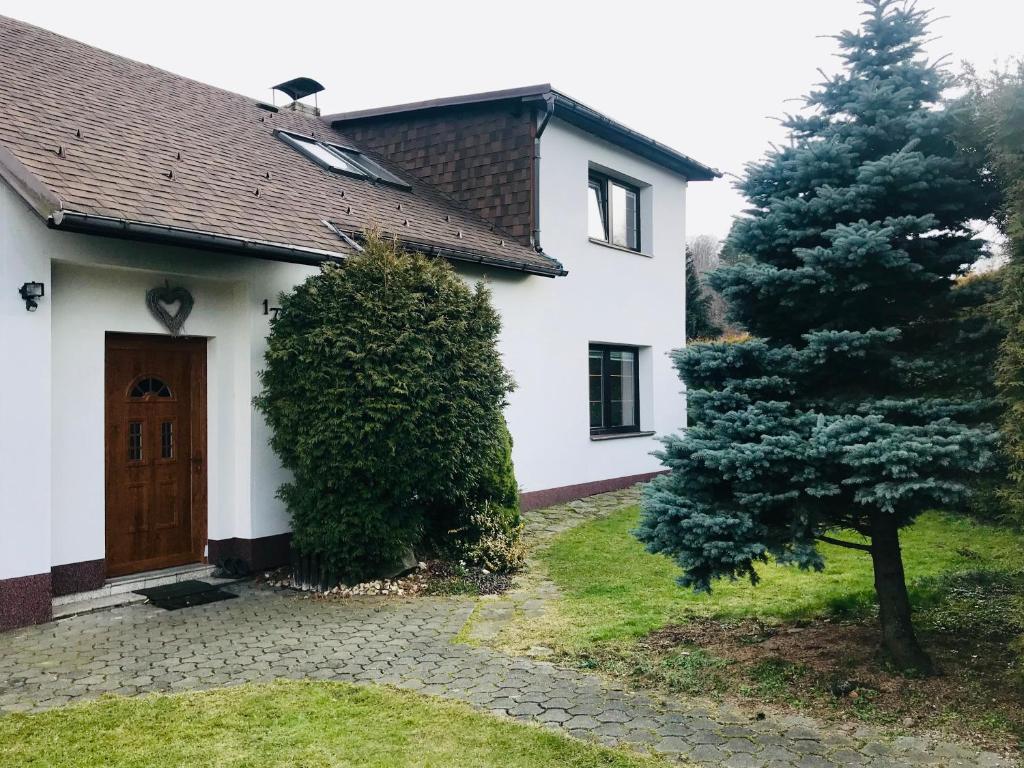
549, 110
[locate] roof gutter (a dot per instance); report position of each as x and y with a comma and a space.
549, 110
472, 257
602, 126
126, 229
469, 257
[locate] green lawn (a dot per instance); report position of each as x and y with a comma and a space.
294, 724
786, 641
613, 590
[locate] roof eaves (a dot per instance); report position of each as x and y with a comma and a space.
141, 231
128, 229
28, 186
509, 94
601, 125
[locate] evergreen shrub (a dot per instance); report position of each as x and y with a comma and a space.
485, 530
384, 391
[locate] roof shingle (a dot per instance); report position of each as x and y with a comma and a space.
111, 137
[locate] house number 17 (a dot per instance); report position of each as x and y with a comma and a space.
269, 310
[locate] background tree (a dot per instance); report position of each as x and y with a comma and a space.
998, 102
384, 390
829, 421
705, 250
698, 305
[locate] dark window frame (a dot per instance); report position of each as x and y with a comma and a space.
602, 182
606, 401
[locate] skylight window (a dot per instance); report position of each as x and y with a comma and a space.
346, 160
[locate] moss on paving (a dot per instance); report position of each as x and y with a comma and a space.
294, 724
613, 590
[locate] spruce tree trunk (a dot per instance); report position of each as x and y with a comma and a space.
893, 602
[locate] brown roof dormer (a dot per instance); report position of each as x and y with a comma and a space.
483, 149
479, 154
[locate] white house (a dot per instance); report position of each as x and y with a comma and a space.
149, 222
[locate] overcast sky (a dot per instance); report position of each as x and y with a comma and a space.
704, 77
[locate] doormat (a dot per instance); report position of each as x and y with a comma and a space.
184, 594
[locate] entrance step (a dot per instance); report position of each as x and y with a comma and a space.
121, 590
90, 604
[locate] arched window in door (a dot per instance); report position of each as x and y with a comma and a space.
146, 387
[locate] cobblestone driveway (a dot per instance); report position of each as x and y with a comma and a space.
268, 634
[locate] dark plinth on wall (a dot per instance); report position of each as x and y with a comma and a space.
78, 577
545, 498
259, 554
25, 600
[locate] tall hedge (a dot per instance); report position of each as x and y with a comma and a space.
384, 391
999, 108
699, 324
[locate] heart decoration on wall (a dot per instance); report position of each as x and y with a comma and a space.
171, 306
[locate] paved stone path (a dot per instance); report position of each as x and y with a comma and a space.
270, 634
530, 598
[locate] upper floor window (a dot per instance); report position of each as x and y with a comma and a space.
613, 211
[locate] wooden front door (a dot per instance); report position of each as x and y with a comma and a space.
155, 451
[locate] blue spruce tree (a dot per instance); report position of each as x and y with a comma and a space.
839, 413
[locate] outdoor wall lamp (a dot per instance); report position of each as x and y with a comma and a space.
30, 292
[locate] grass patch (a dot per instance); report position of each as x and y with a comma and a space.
294, 724
451, 586
691, 671
774, 679
615, 590
800, 640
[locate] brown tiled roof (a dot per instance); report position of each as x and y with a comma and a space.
83, 131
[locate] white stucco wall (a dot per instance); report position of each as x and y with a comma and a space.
610, 296
24, 396
52, 478
99, 285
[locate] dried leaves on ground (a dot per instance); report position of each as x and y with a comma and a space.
432, 578
836, 669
